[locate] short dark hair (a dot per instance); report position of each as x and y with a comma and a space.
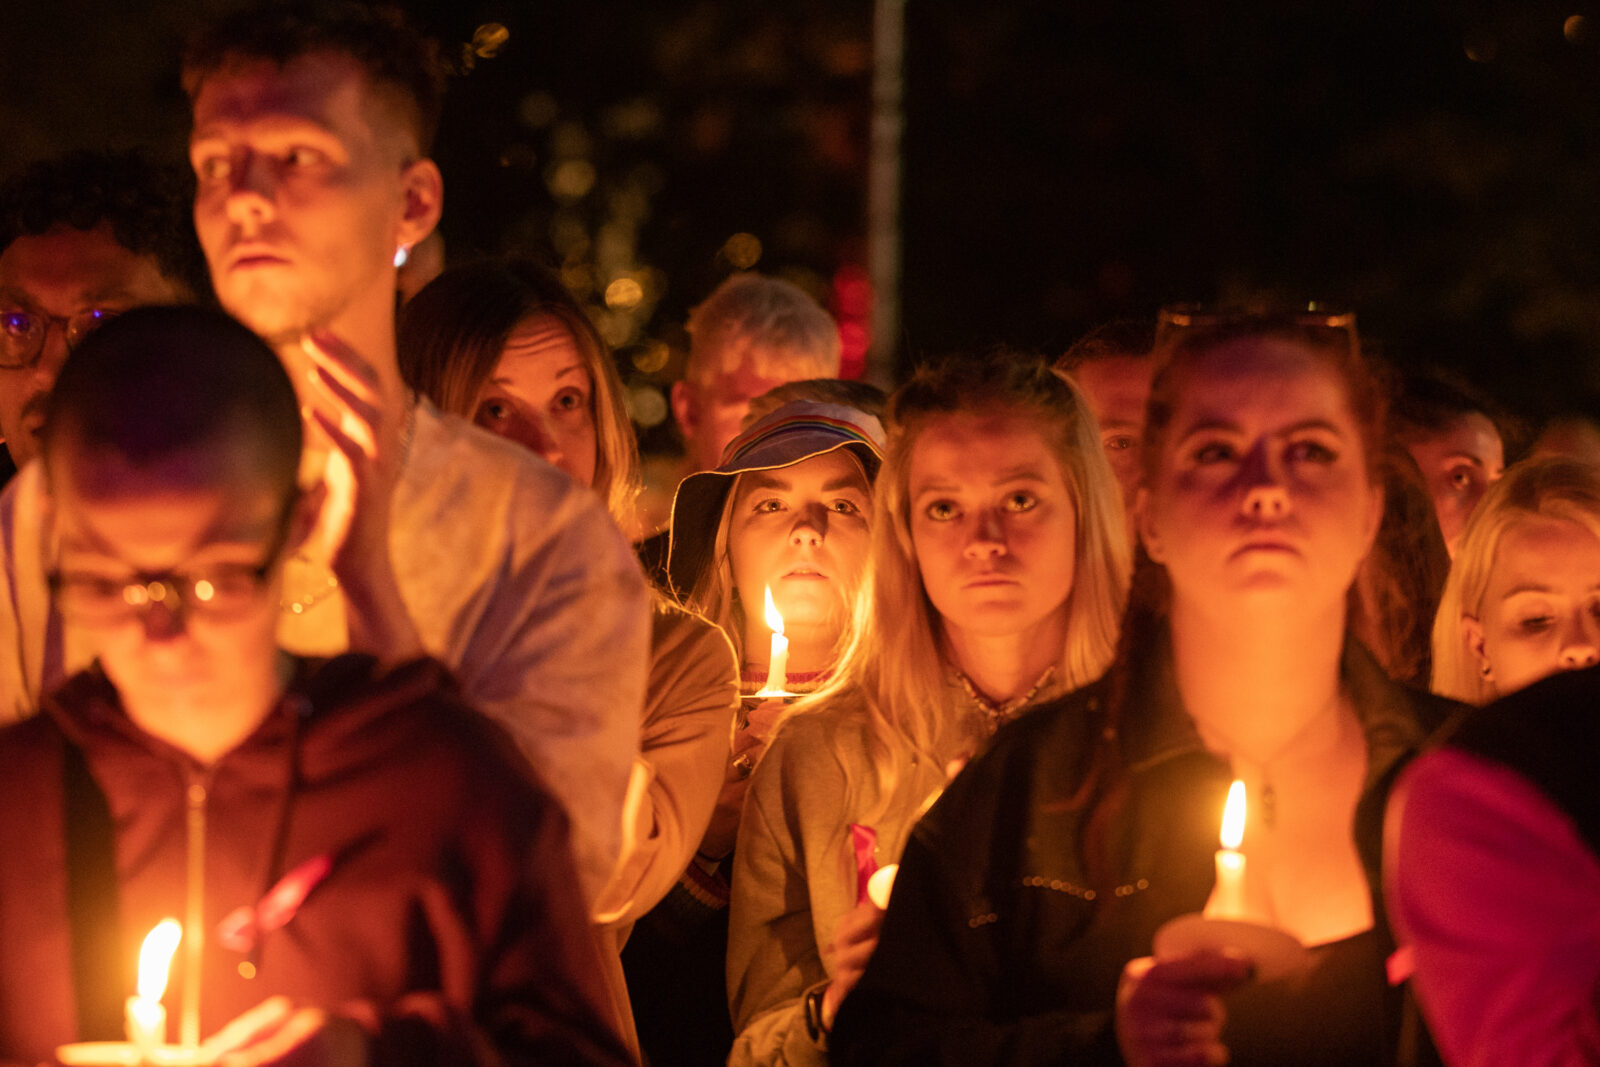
156, 382
1429, 401
1121, 337
391, 51
148, 207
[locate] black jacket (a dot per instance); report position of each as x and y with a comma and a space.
1000, 945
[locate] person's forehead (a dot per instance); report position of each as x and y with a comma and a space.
1260, 377
744, 384
1548, 550
328, 89
980, 445
1470, 434
540, 342
833, 467
1116, 385
1476, 432
148, 512
64, 269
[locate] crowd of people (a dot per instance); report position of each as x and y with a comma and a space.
328, 628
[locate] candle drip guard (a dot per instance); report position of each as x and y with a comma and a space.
1275, 953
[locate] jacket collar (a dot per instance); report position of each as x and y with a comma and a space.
1161, 727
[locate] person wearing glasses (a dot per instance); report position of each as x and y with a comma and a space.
311, 128
1033, 890
82, 237
363, 868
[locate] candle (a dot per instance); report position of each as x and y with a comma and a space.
880, 885
146, 1018
1227, 899
778, 663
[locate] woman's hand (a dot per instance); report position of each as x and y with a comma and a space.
854, 940
749, 745
277, 1032
1170, 1014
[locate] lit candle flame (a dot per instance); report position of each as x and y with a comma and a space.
155, 958
1233, 817
774, 620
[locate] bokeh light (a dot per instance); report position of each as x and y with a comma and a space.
571, 179
743, 250
488, 39
651, 357
624, 294
647, 406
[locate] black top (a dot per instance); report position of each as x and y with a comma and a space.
1004, 942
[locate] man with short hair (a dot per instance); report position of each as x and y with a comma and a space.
1112, 366
83, 236
312, 125
363, 867
752, 334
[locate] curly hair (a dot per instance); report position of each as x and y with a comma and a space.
145, 204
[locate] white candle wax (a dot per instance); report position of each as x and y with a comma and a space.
881, 884
144, 1017
778, 660
1227, 898
146, 1023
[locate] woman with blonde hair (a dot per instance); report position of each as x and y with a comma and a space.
997, 574
1523, 597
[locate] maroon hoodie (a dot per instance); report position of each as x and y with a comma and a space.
448, 919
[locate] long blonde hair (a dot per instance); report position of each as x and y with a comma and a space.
894, 666
1537, 488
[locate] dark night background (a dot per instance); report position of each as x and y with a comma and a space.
1432, 164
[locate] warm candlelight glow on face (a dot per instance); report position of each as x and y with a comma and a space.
1233, 817
774, 620
155, 958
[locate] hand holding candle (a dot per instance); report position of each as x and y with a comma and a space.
1230, 926
146, 1018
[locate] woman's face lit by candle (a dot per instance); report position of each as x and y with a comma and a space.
802, 530
1541, 609
1260, 488
542, 396
993, 523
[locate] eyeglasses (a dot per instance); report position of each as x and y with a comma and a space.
222, 591
1223, 322
22, 333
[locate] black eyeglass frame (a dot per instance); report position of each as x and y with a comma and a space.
34, 349
155, 587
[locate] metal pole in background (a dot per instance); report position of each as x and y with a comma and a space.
883, 187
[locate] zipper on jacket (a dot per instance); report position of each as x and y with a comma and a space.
194, 922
